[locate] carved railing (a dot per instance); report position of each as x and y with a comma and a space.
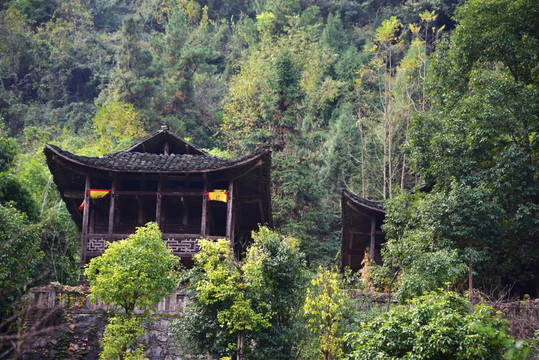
181, 244
76, 298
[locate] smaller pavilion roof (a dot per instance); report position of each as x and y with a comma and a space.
372, 205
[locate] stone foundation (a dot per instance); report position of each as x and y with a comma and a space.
62, 324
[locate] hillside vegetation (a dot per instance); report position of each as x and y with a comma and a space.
429, 106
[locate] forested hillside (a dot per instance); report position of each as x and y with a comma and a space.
430, 106
378, 97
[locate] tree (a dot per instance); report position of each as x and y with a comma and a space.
276, 267
480, 141
20, 255
437, 325
223, 280
12, 187
266, 107
120, 334
117, 125
387, 44
133, 273
255, 300
324, 310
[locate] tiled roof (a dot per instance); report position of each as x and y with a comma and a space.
375, 205
136, 161
154, 144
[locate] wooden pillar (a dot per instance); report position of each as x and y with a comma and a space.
230, 213
159, 201
373, 237
204, 221
350, 245
85, 216
262, 212
112, 207
140, 202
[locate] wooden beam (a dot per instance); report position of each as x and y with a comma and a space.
71, 194
357, 209
238, 175
140, 215
357, 232
85, 215
164, 193
92, 219
262, 211
249, 199
166, 147
355, 252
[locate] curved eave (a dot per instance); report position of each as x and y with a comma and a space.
51, 151
56, 170
361, 203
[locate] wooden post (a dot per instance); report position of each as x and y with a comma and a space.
112, 206
373, 237
350, 246
204, 221
159, 201
85, 215
230, 214
140, 201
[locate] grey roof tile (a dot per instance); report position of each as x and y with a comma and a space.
136, 161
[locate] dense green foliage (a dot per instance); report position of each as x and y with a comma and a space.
136, 272
478, 151
120, 334
324, 307
437, 325
256, 301
20, 254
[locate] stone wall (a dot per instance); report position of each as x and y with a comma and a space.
63, 324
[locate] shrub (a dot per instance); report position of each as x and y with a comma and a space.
437, 325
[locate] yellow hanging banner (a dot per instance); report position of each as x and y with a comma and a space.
98, 193
95, 194
217, 195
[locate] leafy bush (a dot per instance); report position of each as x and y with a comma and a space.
120, 335
437, 325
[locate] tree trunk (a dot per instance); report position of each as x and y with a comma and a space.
239, 345
362, 139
